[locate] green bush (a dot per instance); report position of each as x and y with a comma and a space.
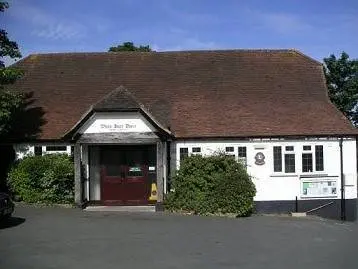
46, 179
214, 184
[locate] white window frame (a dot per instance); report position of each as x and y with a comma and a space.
313, 152
283, 153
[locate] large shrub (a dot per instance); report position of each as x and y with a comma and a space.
214, 184
46, 179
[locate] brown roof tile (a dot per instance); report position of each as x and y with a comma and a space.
234, 93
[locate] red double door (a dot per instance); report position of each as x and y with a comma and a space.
125, 175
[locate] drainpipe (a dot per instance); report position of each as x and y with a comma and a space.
168, 167
343, 202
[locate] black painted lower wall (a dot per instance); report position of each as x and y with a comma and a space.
332, 211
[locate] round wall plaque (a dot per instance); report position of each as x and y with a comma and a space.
259, 158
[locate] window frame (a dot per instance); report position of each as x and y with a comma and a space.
56, 148
286, 149
181, 153
38, 151
313, 152
243, 159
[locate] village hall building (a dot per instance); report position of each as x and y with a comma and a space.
129, 118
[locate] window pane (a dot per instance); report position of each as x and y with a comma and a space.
307, 163
242, 152
183, 153
38, 150
319, 158
197, 149
277, 159
229, 149
289, 148
306, 147
289, 163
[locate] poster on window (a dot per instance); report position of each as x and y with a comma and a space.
319, 188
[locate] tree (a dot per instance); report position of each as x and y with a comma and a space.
10, 101
342, 81
129, 46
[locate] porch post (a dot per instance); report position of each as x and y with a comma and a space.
77, 164
160, 174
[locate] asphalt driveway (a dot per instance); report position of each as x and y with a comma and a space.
70, 238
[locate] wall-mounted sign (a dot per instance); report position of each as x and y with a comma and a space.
117, 126
319, 188
117, 123
259, 158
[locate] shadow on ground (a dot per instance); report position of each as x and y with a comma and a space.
11, 222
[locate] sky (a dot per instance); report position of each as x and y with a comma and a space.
318, 28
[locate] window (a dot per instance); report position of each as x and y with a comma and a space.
277, 159
242, 155
306, 147
183, 153
196, 150
56, 148
319, 158
289, 159
290, 163
308, 159
229, 149
307, 162
38, 151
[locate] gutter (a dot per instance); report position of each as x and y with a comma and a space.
343, 201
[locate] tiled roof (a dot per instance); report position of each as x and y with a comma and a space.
228, 93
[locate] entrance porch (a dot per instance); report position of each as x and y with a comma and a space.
120, 174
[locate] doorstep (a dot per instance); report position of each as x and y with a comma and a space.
148, 208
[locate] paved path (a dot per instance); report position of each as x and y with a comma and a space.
70, 238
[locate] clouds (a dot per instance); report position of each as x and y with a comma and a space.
285, 23
46, 25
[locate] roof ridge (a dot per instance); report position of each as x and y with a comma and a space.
268, 50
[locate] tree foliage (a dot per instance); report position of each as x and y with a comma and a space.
129, 46
214, 184
342, 81
10, 101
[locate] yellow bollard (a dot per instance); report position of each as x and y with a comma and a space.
153, 192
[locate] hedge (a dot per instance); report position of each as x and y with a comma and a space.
213, 184
45, 179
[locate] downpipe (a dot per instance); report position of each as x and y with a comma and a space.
343, 201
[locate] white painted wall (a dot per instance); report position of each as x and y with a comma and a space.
22, 150
272, 185
117, 122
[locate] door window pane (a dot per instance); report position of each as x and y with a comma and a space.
289, 163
